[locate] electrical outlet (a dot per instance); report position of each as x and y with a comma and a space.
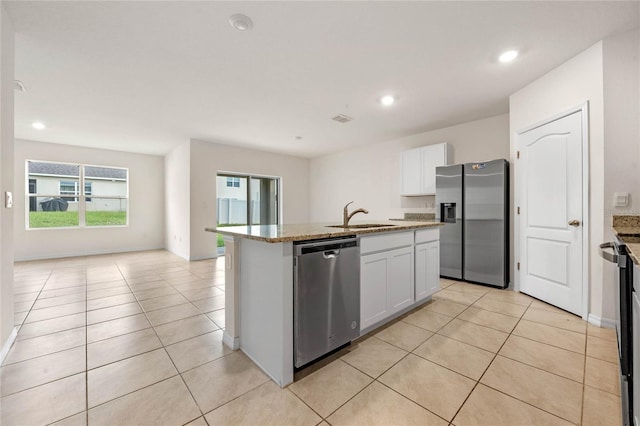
8, 199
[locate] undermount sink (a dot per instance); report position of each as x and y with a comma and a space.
363, 225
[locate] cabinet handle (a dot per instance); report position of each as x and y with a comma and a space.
574, 222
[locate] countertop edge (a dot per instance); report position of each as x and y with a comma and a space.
328, 234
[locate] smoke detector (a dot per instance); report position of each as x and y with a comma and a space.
341, 118
241, 22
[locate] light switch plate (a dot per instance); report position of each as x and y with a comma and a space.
621, 199
8, 199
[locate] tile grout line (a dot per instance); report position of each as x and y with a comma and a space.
168, 355
86, 355
540, 369
497, 353
584, 373
485, 370
19, 326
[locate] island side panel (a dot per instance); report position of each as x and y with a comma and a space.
231, 336
266, 306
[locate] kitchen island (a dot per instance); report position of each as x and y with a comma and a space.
259, 265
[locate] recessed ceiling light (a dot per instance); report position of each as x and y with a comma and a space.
38, 125
387, 100
508, 56
241, 22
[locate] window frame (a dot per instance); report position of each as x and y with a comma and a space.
233, 181
80, 198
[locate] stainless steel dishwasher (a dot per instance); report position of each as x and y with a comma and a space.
326, 296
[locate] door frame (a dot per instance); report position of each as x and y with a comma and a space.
586, 278
255, 175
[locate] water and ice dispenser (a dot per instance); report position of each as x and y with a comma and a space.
448, 212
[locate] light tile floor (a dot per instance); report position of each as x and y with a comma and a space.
136, 338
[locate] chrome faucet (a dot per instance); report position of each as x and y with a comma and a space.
346, 216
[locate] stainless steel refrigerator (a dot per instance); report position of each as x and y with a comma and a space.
473, 201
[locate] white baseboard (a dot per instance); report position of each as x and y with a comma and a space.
7, 345
196, 258
601, 322
60, 255
232, 343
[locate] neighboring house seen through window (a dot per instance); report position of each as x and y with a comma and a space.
54, 199
233, 182
71, 188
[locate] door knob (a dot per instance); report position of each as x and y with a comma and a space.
574, 222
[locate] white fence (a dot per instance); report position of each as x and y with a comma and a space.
232, 210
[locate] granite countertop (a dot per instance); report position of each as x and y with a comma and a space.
312, 231
627, 228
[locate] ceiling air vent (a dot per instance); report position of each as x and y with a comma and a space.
341, 118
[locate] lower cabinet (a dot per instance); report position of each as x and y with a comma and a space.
427, 279
386, 284
397, 270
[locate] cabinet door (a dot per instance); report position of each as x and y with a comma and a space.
400, 280
432, 156
635, 323
411, 172
427, 280
374, 270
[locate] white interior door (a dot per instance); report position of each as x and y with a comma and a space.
551, 212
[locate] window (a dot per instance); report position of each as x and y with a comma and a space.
54, 198
233, 182
254, 202
71, 188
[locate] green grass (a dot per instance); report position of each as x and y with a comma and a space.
220, 236
105, 218
66, 219
52, 219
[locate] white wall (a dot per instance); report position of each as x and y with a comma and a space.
622, 139
207, 159
576, 81
370, 175
621, 112
177, 197
6, 177
146, 205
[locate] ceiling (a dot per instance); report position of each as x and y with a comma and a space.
147, 76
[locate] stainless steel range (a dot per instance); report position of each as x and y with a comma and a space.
616, 252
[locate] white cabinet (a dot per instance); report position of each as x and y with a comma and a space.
386, 276
411, 171
427, 280
418, 168
400, 280
374, 277
427, 276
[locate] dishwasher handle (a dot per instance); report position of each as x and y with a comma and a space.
619, 259
331, 254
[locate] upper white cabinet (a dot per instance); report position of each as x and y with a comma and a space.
418, 168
